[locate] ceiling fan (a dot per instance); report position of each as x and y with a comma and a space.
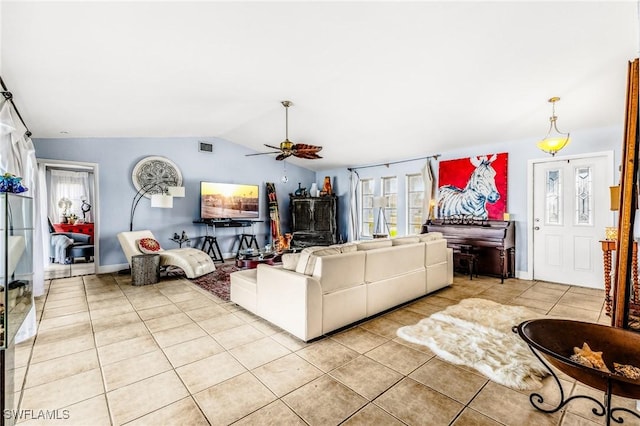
288, 148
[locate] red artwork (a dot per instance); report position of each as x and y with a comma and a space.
473, 187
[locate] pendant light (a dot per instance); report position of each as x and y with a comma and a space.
555, 140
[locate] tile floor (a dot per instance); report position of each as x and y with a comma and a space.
108, 353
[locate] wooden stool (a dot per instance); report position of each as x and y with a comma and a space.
465, 255
145, 269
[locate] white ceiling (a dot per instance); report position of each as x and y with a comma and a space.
370, 81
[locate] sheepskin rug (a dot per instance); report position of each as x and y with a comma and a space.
478, 333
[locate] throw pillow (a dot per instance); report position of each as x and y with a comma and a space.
290, 261
374, 244
430, 236
148, 245
405, 240
345, 247
307, 261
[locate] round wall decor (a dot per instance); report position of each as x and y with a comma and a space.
154, 174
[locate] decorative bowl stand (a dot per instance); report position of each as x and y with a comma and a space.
555, 339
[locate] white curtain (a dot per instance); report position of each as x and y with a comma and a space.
429, 191
354, 222
74, 186
17, 156
42, 213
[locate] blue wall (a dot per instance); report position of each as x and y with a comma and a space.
117, 157
520, 152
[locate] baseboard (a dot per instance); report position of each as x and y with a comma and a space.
524, 275
109, 269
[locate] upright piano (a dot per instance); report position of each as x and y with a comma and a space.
493, 241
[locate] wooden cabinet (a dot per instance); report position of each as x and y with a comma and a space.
313, 221
492, 241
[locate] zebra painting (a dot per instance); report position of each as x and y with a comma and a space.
471, 201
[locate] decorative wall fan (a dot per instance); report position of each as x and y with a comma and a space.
288, 148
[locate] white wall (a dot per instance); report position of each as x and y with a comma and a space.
520, 152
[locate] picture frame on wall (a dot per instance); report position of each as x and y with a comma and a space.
473, 188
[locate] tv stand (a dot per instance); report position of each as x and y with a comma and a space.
226, 223
210, 242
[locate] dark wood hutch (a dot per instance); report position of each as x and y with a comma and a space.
313, 220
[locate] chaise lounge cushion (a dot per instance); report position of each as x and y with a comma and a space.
193, 262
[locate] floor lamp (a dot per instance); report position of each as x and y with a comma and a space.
380, 203
163, 198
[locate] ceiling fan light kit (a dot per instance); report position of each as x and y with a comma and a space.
288, 148
555, 140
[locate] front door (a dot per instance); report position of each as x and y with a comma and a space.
570, 213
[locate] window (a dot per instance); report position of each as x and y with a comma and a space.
584, 199
390, 191
415, 197
366, 191
68, 192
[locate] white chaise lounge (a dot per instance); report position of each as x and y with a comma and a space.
193, 262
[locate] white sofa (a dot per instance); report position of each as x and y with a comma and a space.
325, 288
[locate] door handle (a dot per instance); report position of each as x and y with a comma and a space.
536, 228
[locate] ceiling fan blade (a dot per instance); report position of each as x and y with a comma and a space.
283, 156
272, 147
306, 155
306, 147
262, 153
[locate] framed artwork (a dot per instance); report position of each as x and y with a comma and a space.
473, 188
155, 169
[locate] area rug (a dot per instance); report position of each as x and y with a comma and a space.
478, 333
218, 281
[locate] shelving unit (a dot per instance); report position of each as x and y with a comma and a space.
16, 282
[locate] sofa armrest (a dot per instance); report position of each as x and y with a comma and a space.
290, 300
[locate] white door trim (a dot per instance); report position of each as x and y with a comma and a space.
528, 275
96, 203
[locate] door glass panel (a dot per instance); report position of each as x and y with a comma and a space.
584, 196
553, 199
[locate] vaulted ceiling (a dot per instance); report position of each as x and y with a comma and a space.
370, 81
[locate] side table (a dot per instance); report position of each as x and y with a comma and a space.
145, 269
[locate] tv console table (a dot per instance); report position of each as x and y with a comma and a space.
210, 242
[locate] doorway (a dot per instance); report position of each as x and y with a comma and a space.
69, 212
570, 213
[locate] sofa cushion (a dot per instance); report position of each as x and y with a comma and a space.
346, 247
290, 261
412, 239
374, 244
148, 245
430, 236
390, 262
307, 261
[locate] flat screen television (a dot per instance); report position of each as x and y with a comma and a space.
229, 201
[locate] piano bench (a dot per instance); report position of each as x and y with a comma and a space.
466, 260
